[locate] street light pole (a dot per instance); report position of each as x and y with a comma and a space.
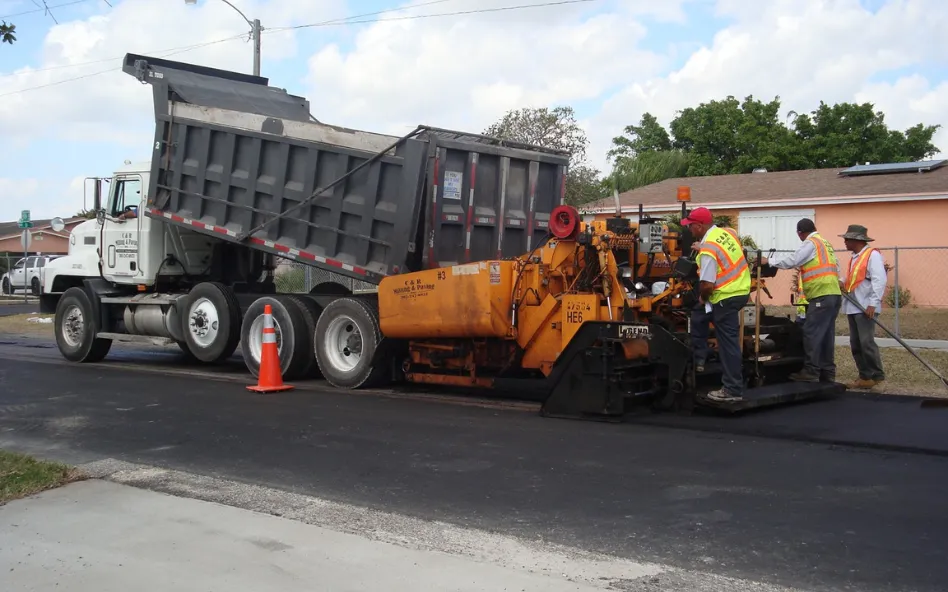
255, 30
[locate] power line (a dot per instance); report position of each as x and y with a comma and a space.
339, 20
43, 9
343, 21
438, 14
173, 51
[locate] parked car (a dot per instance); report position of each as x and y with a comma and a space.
28, 273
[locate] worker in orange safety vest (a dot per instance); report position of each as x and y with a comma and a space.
865, 283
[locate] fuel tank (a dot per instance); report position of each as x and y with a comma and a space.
467, 300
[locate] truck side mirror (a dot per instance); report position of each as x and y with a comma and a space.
97, 196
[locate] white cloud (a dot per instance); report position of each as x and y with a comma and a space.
803, 51
45, 198
464, 72
112, 105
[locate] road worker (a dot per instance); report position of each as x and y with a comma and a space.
724, 289
819, 274
865, 283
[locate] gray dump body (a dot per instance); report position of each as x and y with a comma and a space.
236, 158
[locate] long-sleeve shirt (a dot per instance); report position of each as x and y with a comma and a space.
869, 291
798, 258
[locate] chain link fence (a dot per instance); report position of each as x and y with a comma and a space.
293, 277
915, 304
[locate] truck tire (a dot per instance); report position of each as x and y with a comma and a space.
309, 312
76, 329
347, 341
210, 320
293, 341
6, 286
35, 287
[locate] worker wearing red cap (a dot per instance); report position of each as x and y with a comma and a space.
819, 271
724, 289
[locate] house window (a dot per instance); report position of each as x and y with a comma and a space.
774, 229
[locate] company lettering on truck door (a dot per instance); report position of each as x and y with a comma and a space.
121, 232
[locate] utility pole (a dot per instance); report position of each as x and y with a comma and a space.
255, 30
256, 46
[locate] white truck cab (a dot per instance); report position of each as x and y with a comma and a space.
122, 245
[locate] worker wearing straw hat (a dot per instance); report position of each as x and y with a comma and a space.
865, 283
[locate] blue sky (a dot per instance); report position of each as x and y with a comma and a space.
453, 71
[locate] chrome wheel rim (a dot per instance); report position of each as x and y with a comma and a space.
343, 343
203, 322
73, 325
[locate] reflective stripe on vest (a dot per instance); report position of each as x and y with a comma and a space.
858, 269
733, 274
820, 276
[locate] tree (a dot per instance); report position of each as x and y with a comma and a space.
556, 129
647, 136
7, 32
647, 167
728, 136
846, 134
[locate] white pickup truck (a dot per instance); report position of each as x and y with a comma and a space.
27, 273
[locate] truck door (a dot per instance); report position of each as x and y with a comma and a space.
121, 228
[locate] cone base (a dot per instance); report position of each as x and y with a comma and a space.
270, 389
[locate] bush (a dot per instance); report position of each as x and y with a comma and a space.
905, 297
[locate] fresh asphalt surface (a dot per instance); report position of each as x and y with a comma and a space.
839, 495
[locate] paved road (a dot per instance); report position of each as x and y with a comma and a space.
819, 516
10, 309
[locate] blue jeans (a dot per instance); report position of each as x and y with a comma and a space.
819, 336
727, 325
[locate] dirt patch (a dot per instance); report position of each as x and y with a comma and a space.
904, 374
22, 475
31, 324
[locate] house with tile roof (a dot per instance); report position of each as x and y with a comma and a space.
900, 204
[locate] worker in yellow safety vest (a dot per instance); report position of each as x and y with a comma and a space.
724, 289
820, 277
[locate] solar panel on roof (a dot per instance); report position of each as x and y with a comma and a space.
893, 167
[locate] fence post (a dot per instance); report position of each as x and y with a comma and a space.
897, 290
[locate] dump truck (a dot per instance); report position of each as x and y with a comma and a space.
442, 258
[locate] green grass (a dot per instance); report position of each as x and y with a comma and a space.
22, 475
904, 375
914, 323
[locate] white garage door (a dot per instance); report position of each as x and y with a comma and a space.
773, 229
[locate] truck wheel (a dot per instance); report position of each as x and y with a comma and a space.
347, 340
35, 287
211, 322
309, 312
292, 337
6, 286
76, 329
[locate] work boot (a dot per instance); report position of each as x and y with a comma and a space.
861, 383
804, 376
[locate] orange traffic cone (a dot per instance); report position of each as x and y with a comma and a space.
270, 377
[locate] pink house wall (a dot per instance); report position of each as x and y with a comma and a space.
902, 224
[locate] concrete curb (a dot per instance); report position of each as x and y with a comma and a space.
935, 344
